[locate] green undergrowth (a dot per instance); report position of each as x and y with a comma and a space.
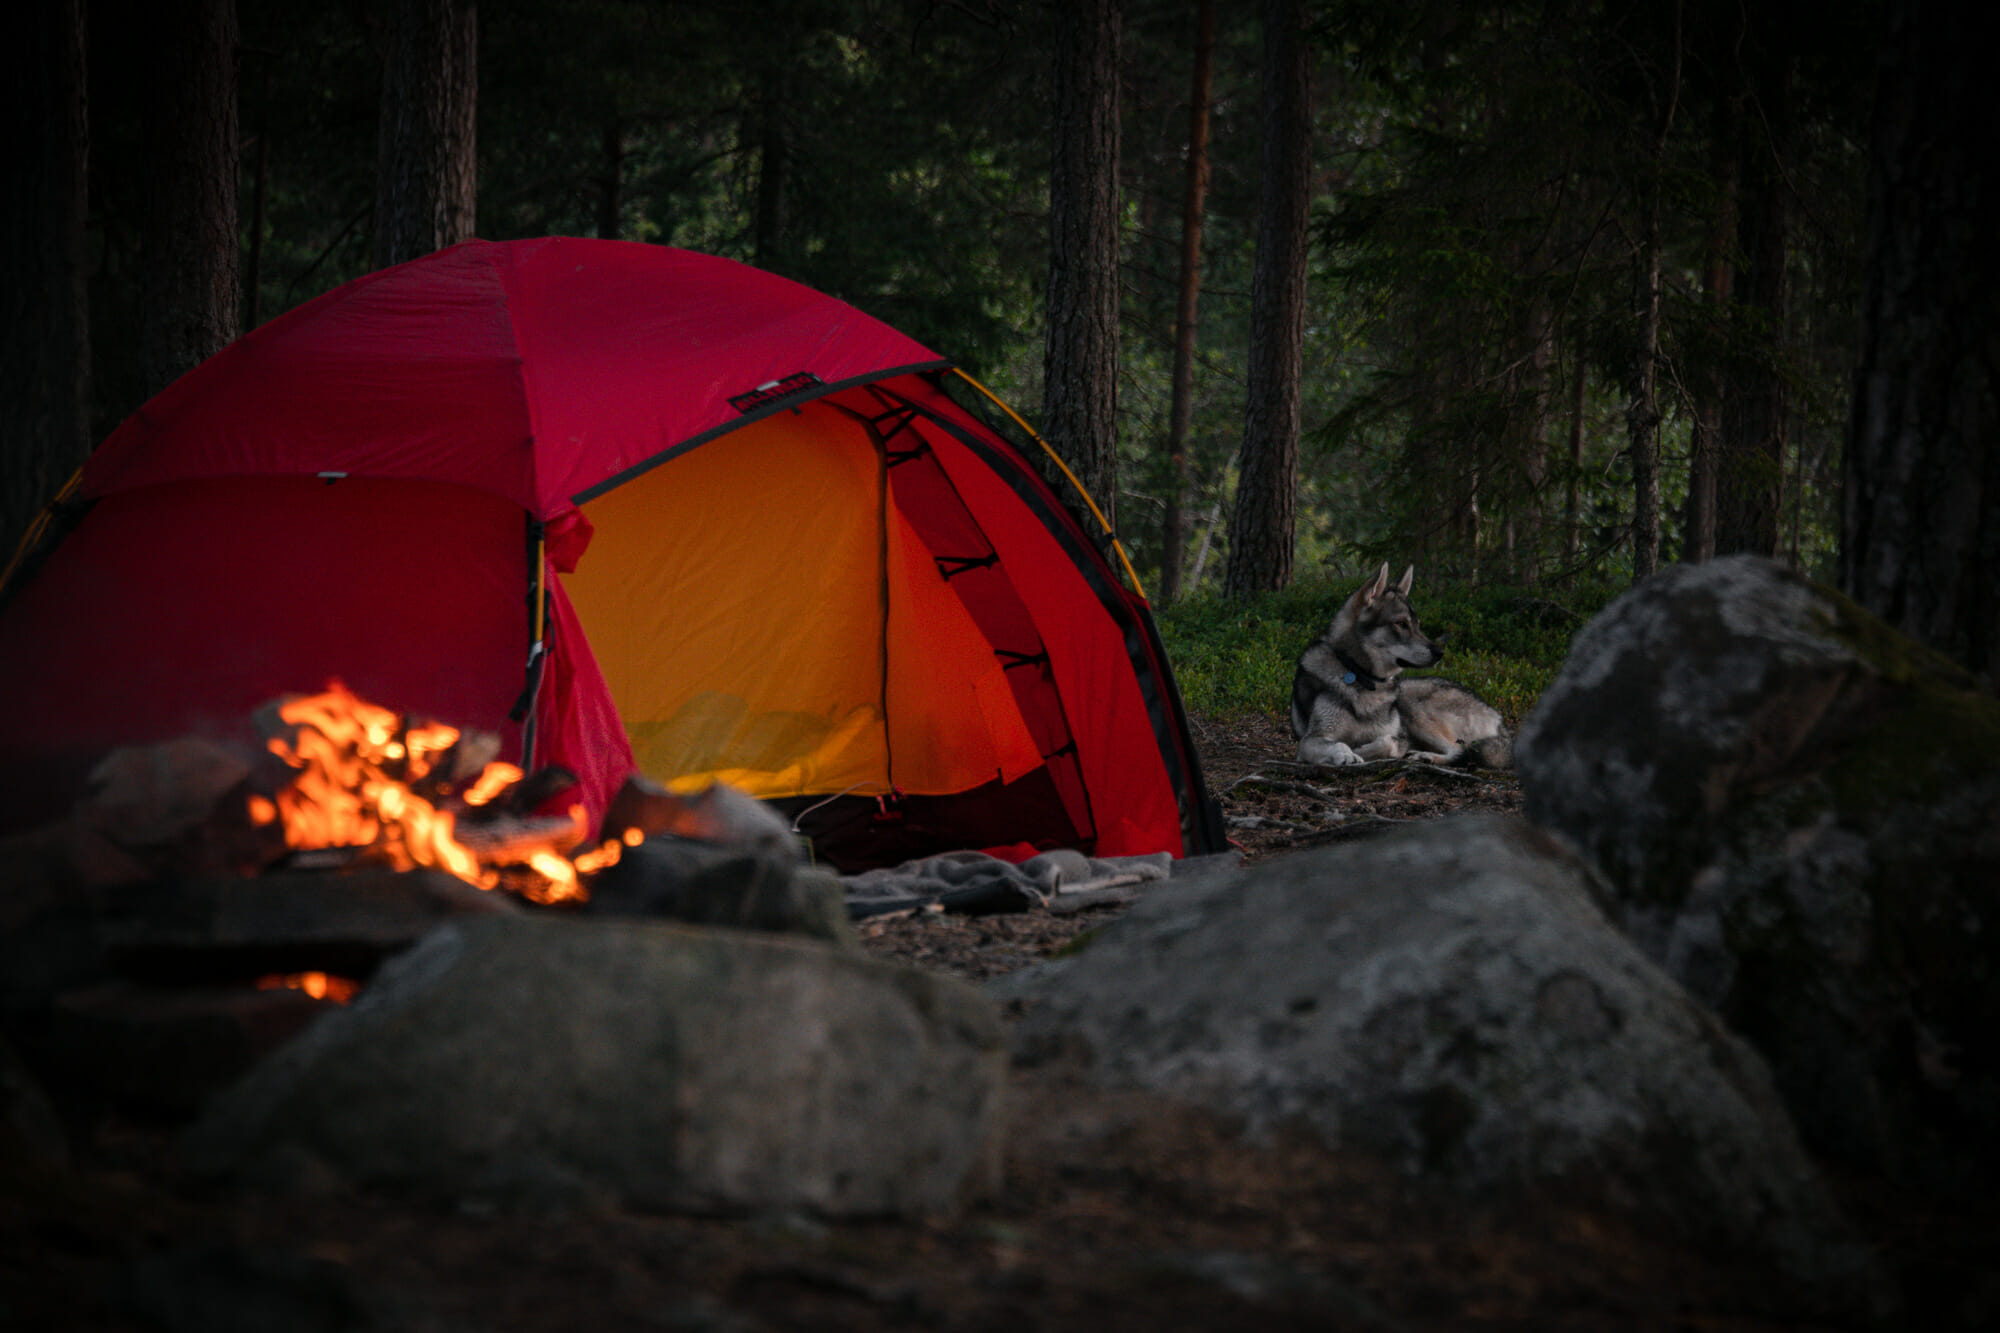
1506, 643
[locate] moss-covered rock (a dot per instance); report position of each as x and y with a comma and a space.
1798, 811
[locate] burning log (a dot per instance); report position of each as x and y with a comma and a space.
409, 794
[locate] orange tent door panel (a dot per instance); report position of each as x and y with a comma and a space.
763, 615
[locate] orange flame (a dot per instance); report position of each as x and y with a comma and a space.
356, 763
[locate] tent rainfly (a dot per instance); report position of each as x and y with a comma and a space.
631, 508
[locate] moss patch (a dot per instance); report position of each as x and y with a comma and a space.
1939, 727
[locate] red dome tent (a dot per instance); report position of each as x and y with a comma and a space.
631, 508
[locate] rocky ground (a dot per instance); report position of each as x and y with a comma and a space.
1119, 1211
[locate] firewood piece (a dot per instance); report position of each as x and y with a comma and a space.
502, 838
718, 813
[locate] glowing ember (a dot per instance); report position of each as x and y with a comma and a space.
319, 985
359, 769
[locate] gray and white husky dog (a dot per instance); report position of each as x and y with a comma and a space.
1348, 705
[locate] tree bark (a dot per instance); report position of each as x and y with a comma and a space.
426, 171
1579, 401
1642, 415
1262, 526
767, 245
1530, 383
611, 181
1750, 464
1920, 532
190, 290
260, 185
1642, 412
44, 342
1698, 518
1080, 360
1173, 525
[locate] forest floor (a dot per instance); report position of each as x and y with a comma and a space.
1119, 1210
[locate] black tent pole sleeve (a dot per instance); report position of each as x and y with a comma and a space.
523, 710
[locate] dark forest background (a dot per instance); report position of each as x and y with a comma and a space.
1528, 291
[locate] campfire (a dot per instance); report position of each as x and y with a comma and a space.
208, 897
370, 786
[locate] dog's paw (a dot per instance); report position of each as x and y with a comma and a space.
1332, 754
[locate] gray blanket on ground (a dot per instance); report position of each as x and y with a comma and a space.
976, 883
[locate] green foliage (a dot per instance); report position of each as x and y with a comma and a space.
1506, 643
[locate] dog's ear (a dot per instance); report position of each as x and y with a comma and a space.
1372, 589
1403, 584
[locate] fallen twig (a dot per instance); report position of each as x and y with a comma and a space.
1353, 828
1262, 823
1283, 785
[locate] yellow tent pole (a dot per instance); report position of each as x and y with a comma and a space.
1056, 458
33, 536
541, 590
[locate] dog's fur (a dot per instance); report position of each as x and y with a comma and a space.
1349, 705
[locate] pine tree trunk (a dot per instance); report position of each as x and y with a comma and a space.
611, 181
1579, 400
426, 171
1642, 414
260, 188
1920, 540
44, 343
1262, 526
1705, 436
1750, 463
189, 294
1173, 526
1080, 360
768, 225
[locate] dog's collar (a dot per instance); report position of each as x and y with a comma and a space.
1356, 676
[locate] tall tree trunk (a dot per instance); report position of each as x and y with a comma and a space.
611, 181
1080, 360
1705, 435
1173, 535
1642, 412
426, 169
44, 343
189, 293
1750, 466
767, 235
1642, 415
1920, 530
1579, 401
1528, 452
260, 183
1262, 525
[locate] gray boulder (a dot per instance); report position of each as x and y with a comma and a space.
1452, 999
540, 1061
1798, 814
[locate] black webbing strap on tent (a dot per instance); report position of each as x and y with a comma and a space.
953, 565
523, 710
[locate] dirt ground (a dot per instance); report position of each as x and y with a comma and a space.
1271, 808
1119, 1211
